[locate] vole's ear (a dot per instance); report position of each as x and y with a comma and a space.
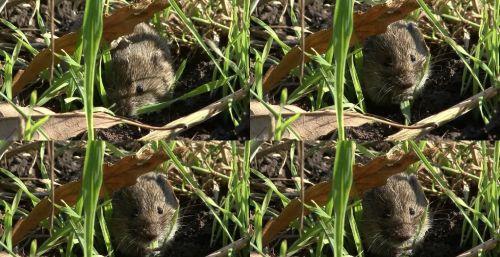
120, 43
412, 179
118, 196
419, 193
167, 190
143, 28
412, 27
417, 36
369, 195
158, 58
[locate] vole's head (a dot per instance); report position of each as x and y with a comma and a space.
145, 211
395, 63
141, 73
395, 214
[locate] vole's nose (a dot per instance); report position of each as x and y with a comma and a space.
150, 235
406, 85
124, 109
402, 235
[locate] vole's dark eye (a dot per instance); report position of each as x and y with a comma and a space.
413, 58
412, 211
160, 210
139, 89
387, 214
135, 213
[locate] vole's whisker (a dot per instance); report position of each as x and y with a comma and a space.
187, 216
386, 90
376, 237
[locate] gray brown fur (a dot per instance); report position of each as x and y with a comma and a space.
141, 70
395, 217
394, 64
143, 213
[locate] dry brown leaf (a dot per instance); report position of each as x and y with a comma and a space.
59, 126
118, 175
196, 118
310, 125
122, 22
373, 174
370, 23
445, 116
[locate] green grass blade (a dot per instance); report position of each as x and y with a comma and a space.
341, 186
341, 36
91, 185
92, 32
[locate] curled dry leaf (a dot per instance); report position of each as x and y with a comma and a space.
59, 126
372, 22
121, 174
373, 174
122, 22
445, 116
197, 117
310, 125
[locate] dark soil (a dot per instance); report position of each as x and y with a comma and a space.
195, 231
445, 232
199, 70
318, 164
441, 92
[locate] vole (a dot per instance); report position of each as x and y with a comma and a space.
395, 64
144, 216
141, 70
395, 217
